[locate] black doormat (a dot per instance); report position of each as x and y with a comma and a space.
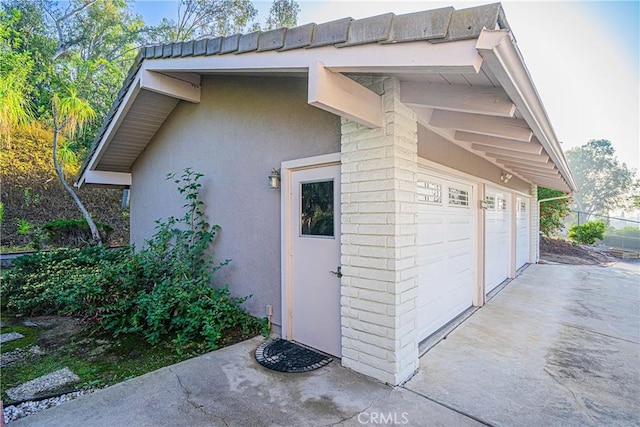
285, 356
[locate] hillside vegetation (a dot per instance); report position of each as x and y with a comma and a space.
32, 195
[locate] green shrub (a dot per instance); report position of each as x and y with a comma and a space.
74, 232
587, 232
162, 290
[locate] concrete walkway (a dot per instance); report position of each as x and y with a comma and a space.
558, 346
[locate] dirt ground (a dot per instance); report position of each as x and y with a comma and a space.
560, 251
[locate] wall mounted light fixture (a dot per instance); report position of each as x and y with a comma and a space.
505, 177
274, 179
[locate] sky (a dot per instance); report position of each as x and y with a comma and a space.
583, 57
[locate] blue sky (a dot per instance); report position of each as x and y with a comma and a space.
584, 58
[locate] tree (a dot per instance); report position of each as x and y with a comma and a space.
552, 212
283, 14
206, 18
69, 114
603, 182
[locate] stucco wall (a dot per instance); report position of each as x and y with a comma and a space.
432, 146
242, 128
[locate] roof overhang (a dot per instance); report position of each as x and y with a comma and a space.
475, 92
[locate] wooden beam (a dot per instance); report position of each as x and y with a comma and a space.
107, 178
499, 152
527, 166
541, 174
501, 127
491, 141
468, 99
342, 96
170, 86
540, 162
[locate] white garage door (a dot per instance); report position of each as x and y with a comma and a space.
446, 250
497, 256
522, 230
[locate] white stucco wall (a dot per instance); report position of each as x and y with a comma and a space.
242, 128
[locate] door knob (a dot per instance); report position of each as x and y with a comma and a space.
337, 273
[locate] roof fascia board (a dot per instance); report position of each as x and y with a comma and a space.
337, 94
459, 57
109, 133
107, 178
504, 60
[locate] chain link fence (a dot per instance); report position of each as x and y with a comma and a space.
620, 233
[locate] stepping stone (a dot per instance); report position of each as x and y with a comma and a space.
30, 324
11, 336
43, 384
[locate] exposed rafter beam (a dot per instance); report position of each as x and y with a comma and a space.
499, 152
170, 86
540, 174
502, 127
342, 96
107, 178
468, 99
527, 166
492, 141
531, 162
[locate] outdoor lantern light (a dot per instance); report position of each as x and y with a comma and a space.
274, 179
505, 177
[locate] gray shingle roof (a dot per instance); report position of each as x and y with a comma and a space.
433, 26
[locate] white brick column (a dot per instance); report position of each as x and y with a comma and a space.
379, 250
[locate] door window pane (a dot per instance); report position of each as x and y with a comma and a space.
316, 218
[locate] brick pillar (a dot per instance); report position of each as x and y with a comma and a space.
379, 249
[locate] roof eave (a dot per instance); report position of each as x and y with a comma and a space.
501, 54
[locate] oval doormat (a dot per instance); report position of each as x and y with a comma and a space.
284, 356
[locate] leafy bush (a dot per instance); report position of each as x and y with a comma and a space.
37, 283
552, 212
74, 232
587, 232
162, 290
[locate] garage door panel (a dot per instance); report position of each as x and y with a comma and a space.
445, 251
497, 251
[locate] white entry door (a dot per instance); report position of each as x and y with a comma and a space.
522, 230
315, 254
497, 255
446, 242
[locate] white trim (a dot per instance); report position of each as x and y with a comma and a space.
109, 133
107, 178
286, 170
416, 57
504, 60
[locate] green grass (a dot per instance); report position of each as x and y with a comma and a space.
98, 361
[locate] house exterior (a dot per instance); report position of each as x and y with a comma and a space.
410, 149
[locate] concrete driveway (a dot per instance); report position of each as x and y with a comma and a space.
560, 345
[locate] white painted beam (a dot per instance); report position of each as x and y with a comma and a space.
491, 141
499, 153
342, 96
535, 162
170, 86
527, 166
468, 99
501, 127
107, 178
538, 174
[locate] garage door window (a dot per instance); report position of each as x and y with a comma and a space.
429, 192
458, 197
